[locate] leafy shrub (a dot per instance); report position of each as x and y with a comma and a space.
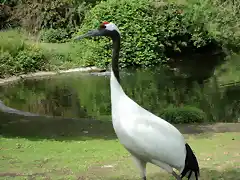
182, 115
7, 64
54, 35
34, 15
220, 19
19, 56
135, 21
152, 32
25, 61
149, 32
92, 53
31, 60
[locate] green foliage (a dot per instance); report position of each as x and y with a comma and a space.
9, 2
152, 31
229, 72
18, 56
7, 64
30, 60
54, 35
149, 32
66, 55
25, 61
11, 41
184, 115
91, 53
34, 15
15, 49
135, 21
219, 19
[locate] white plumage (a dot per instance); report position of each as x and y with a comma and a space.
147, 137
145, 134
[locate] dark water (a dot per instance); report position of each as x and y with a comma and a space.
79, 95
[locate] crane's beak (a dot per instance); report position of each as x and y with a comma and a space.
92, 33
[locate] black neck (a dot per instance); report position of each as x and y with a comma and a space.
115, 55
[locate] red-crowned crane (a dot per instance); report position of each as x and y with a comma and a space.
148, 138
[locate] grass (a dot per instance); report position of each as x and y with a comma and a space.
70, 159
64, 55
11, 41
44, 148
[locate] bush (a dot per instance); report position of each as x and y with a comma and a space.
26, 61
18, 55
183, 115
54, 35
219, 19
152, 32
30, 60
7, 64
34, 15
149, 32
135, 21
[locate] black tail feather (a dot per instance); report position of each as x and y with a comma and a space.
191, 164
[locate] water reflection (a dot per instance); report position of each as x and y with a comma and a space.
88, 96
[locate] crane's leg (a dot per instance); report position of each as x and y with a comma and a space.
167, 168
142, 167
176, 176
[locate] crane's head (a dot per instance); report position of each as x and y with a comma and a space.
105, 29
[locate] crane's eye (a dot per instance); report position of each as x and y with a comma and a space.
102, 26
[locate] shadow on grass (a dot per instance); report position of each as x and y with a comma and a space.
41, 127
206, 174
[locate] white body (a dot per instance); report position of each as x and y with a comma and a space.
145, 135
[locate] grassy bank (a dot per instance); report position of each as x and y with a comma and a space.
20, 54
102, 157
61, 56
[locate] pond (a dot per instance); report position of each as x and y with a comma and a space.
83, 95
